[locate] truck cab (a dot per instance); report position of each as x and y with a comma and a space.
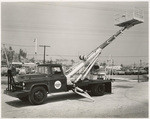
48, 78
55, 77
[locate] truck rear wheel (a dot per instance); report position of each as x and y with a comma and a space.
98, 89
37, 95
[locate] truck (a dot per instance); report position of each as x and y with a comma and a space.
50, 78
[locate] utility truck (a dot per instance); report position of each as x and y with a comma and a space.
50, 78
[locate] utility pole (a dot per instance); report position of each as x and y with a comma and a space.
139, 70
109, 65
35, 52
44, 51
112, 61
140, 63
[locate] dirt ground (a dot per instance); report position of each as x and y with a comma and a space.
129, 99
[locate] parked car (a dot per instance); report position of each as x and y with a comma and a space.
135, 71
128, 72
146, 69
119, 72
102, 76
142, 71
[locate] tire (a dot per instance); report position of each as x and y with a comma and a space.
98, 89
38, 95
24, 99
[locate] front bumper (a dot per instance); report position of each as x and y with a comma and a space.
17, 94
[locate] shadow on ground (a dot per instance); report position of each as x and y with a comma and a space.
122, 86
62, 97
50, 99
18, 103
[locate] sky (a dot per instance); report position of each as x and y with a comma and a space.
72, 29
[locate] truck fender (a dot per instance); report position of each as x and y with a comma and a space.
40, 84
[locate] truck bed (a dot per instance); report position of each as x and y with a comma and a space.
89, 82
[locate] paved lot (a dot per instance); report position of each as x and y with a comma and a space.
128, 100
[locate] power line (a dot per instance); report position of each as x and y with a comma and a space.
106, 9
79, 33
78, 56
60, 27
66, 28
18, 45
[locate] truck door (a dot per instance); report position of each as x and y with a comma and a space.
58, 81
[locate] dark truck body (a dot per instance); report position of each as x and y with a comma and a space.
50, 79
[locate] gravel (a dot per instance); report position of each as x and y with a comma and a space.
128, 100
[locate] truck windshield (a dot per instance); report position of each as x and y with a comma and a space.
42, 70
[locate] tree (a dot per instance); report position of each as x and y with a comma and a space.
22, 54
122, 67
49, 62
15, 57
32, 60
103, 64
10, 54
72, 61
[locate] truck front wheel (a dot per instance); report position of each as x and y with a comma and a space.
37, 95
98, 89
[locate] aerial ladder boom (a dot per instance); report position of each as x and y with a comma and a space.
90, 60
87, 62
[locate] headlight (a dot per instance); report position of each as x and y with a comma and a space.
23, 84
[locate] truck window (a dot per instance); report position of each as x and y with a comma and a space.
42, 70
56, 70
